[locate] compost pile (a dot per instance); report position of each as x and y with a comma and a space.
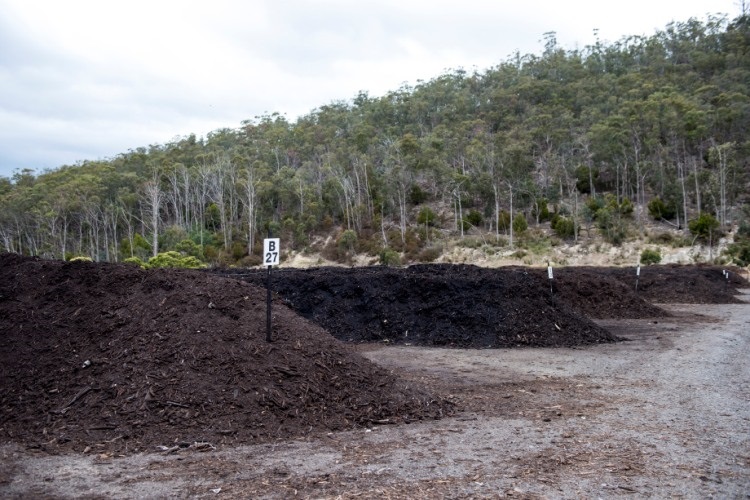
602, 293
436, 305
109, 357
676, 284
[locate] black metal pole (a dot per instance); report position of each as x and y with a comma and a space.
268, 305
268, 299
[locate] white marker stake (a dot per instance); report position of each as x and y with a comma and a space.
549, 275
637, 277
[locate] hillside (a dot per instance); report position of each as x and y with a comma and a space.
589, 146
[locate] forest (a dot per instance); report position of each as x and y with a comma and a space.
591, 140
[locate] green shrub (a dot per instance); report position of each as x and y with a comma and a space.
174, 259
739, 251
371, 245
608, 205
541, 211
564, 227
332, 251
470, 243
140, 248
626, 207
417, 195
238, 250
189, 247
650, 256
519, 223
595, 203
658, 210
171, 236
81, 258
611, 225
474, 218
661, 238
211, 253
135, 261
426, 216
429, 254
347, 240
251, 261
535, 242
212, 217
390, 257
583, 183
705, 227
503, 220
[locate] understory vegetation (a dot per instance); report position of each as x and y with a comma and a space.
588, 142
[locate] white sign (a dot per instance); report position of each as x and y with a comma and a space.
271, 251
638, 271
549, 272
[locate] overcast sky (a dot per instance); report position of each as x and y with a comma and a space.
87, 80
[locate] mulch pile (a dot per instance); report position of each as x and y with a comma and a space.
436, 305
470, 306
113, 358
600, 294
676, 284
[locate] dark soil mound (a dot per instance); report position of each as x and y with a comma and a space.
598, 294
115, 358
677, 284
441, 305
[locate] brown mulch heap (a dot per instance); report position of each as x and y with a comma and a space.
435, 304
678, 284
109, 357
597, 293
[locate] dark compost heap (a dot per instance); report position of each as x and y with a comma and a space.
112, 357
439, 305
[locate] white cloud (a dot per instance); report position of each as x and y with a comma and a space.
86, 79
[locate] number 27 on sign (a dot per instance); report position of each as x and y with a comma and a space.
271, 251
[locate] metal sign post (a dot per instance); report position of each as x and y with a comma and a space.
271, 254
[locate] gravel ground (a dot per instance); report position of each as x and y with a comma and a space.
665, 414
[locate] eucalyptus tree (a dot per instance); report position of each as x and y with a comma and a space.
516, 166
398, 180
222, 178
177, 195
249, 182
721, 158
151, 203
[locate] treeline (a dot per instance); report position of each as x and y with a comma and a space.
598, 137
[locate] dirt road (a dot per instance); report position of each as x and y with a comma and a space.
664, 414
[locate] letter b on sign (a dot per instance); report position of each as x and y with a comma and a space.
271, 251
